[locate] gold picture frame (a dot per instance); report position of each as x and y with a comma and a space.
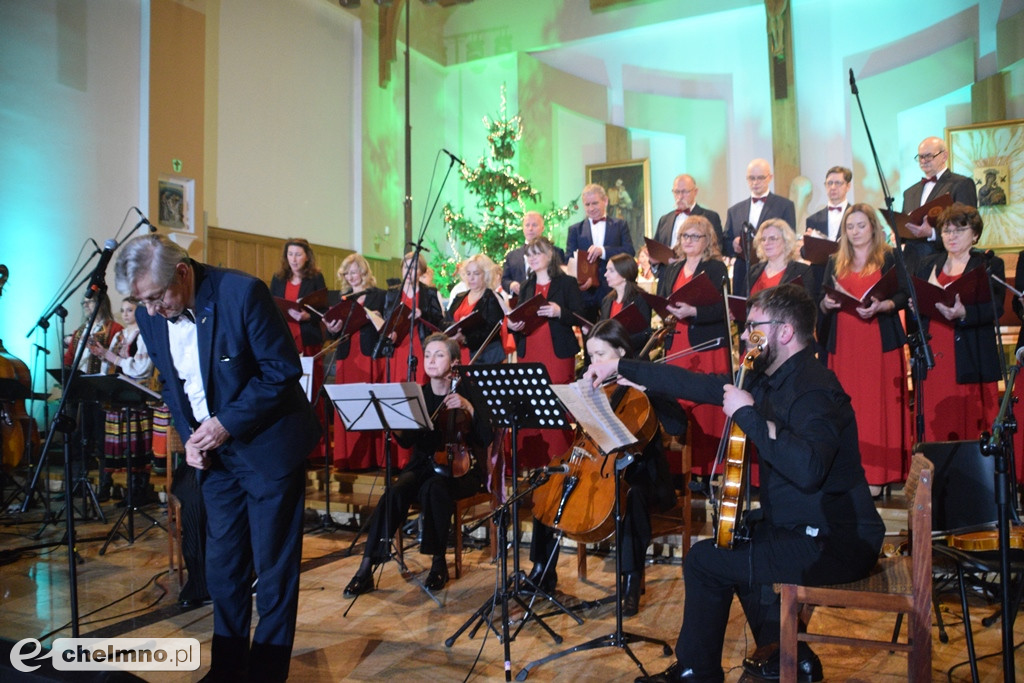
993, 155
628, 184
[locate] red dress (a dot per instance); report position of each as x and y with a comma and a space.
877, 386
706, 422
464, 309
952, 411
765, 282
357, 450
291, 293
537, 447
400, 360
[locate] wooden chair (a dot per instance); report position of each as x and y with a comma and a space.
462, 517
901, 585
175, 557
678, 520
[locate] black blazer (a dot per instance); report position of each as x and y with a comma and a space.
974, 339
667, 223
794, 270
889, 325
310, 329
960, 188
565, 292
774, 207
819, 220
710, 320
491, 312
616, 241
514, 269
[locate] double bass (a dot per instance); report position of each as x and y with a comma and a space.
17, 429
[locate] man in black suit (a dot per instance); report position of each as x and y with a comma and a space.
933, 158
826, 222
756, 209
600, 237
231, 379
514, 273
684, 190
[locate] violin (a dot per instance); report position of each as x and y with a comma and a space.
456, 459
581, 501
981, 541
733, 452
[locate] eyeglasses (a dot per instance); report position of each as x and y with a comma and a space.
751, 324
757, 178
682, 192
771, 239
955, 231
927, 157
834, 183
153, 300
691, 237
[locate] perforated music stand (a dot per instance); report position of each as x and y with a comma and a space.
365, 406
513, 396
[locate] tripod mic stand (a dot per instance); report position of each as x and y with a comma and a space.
619, 638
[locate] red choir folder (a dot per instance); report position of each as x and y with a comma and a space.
526, 312
928, 212
697, 292
818, 249
737, 308
881, 290
398, 323
629, 317
467, 324
971, 286
350, 310
585, 270
658, 252
313, 302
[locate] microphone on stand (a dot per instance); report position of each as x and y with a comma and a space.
550, 469
144, 221
454, 158
853, 84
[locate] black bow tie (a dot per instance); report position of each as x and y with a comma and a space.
758, 199
933, 179
184, 314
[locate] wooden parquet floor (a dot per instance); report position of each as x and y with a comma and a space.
397, 632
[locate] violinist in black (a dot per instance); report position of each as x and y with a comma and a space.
420, 481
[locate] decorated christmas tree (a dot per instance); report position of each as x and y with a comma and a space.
495, 226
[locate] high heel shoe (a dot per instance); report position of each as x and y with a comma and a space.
361, 583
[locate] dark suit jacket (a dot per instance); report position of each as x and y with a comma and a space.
974, 339
616, 241
889, 325
310, 329
738, 214
667, 222
710, 320
819, 220
250, 372
565, 292
960, 188
514, 269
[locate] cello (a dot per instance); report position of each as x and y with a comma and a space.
17, 429
733, 453
581, 501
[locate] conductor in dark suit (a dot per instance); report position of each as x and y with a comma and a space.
231, 378
933, 158
756, 209
600, 237
684, 190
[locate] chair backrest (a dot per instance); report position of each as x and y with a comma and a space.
918, 490
963, 493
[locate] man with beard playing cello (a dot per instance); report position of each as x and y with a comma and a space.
816, 524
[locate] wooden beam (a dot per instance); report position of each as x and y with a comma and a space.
785, 126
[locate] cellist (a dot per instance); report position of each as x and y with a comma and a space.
649, 480
420, 481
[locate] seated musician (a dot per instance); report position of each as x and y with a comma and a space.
816, 525
649, 479
418, 480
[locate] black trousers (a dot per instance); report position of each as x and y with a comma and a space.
773, 555
436, 495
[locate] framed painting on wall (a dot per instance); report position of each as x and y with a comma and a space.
628, 184
176, 203
993, 155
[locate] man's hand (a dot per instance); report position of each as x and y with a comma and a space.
599, 372
922, 230
733, 399
209, 435
514, 288
594, 253
195, 457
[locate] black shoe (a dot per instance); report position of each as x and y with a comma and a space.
678, 673
437, 579
360, 584
764, 664
192, 603
103, 494
631, 593
550, 579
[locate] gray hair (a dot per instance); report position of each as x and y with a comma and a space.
152, 255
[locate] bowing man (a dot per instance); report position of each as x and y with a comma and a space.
231, 378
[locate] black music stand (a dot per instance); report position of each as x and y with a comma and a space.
619, 638
513, 396
365, 406
126, 395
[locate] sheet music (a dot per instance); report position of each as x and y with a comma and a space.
594, 414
